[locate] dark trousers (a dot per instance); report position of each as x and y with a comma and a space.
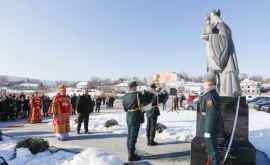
212, 150
98, 108
85, 119
133, 131
151, 128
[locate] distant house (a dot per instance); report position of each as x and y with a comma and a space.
121, 87
191, 87
82, 85
250, 87
29, 86
168, 79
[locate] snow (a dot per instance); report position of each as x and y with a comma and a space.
259, 130
181, 126
25, 157
94, 156
7, 148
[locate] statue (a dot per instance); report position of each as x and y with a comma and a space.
230, 113
221, 56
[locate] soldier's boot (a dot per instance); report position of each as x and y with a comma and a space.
152, 142
133, 157
148, 141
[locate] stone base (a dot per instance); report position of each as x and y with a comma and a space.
242, 151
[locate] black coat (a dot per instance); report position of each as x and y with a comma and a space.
85, 104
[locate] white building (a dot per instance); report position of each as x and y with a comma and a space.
82, 85
191, 87
250, 87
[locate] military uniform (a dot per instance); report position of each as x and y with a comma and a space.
153, 113
209, 105
152, 117
132, 103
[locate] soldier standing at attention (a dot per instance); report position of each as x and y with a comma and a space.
132, 103
152, 117
134, 117
210, 109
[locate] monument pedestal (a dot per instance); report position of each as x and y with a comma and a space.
242, 151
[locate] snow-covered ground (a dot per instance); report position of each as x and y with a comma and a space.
181, 127
25, 157
94, 156
259, 130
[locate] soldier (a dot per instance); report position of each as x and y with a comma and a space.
210, 110
152, 117
132, 103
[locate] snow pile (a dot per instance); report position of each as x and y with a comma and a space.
94, 156
25, 157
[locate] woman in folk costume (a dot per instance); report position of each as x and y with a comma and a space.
61, 108
35, 112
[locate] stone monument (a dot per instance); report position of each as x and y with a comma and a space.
222, 61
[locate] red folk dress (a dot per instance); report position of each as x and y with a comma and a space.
61, 108
35, 112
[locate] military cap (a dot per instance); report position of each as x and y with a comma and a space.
210, 77
133, 84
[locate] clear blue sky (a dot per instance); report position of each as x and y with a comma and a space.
79, 39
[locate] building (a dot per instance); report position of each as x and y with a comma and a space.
250, 87
192, 88
82, 85
168, 79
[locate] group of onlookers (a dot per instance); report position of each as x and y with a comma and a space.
18, 106
177, 102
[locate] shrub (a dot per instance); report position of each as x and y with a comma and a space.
110, 123
160, 127
35, 145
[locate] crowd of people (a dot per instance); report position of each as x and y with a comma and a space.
36, 107
18, 106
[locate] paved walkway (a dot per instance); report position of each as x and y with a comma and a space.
164, 154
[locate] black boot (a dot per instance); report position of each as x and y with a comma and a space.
148, 141
153, 143
78, 131
133, 157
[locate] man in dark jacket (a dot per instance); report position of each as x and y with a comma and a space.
84, 108
74, 102
46, 102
